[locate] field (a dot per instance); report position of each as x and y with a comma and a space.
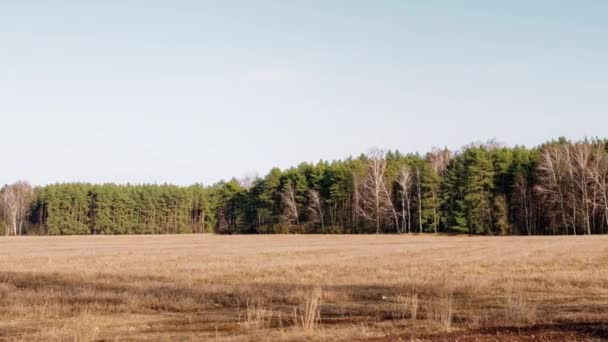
314, 287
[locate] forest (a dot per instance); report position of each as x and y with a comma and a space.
559, 187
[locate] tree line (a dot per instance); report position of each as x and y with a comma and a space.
560, 187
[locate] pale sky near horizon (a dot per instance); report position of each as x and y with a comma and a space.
197, 91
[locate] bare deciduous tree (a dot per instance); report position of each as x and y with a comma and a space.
553, 173
315, 207
573, 183
419, 187
248, 180
439, 160
288, 198
581, 157
374, 199
16, 199
599, 175
405, 181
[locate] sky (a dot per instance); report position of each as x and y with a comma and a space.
198, 91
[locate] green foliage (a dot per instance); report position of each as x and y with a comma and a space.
69, 209
483, 190
500, 215
478, 188
230, 201
430, 185
453, 197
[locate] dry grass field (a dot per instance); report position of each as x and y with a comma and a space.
292, 288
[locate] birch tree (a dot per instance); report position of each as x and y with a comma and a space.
405, 180
288, 198
315, 207
16, 200
553, 185
374, 200
599, 175
581, 158
439, 160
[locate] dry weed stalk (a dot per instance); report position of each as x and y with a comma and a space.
404, 306
257, 316
518, 310
442, 311
400, 306
414, 305
308, 314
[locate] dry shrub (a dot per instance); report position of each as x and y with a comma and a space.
441, 311
406, 306
399, 308
308, 314
518, 310
257, 316
414, 306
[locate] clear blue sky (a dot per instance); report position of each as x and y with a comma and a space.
196, 91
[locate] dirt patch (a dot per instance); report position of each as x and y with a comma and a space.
594, 331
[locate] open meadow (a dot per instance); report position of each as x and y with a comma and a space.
303, 287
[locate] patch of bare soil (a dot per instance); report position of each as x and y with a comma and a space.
593, 331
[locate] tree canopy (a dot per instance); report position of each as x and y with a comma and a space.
560, 187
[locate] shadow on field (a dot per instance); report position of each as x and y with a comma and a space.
221, 304
564, 331
74, 289
63, 295
106, 293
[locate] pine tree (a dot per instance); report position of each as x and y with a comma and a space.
430, 183
453, 197
478, 190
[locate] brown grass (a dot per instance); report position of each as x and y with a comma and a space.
308, 315
234, 288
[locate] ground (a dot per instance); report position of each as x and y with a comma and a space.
304, 287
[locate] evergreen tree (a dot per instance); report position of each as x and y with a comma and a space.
430, 184
453, 187
558, 187
478, 190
